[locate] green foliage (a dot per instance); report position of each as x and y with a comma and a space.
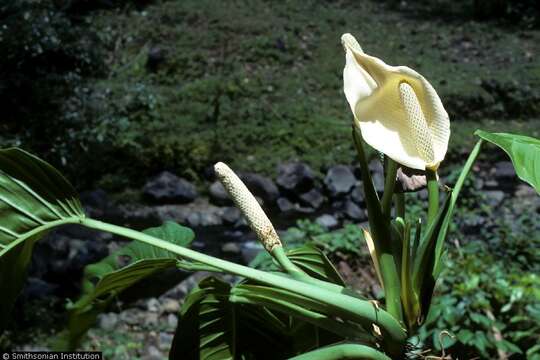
220, 321
347, 240
490, 302
133, 272
219, 81
524, 151
35, 197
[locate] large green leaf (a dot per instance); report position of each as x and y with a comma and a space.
130, 272
300, 308
34, 198
524, 151
252, 321
314, 262
213, 328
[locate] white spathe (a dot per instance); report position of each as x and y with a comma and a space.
398, 111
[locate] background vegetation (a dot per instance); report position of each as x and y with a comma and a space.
114, 91
149, 85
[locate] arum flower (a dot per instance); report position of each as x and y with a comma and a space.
398, 111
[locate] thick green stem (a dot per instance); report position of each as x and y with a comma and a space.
361, 311
278, 253
433, 195
343, 351
381, 234
286, 264
389, 184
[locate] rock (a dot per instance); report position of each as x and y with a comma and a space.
295, 177
339, 180
494, 197
153, 305
218, 194
169, 188
376, 166
209, 219
262, 187
165, 339
357, 194
172, 322
151, 319
230, 215
353, 211
194, 219
378, 181
285, 205
327, 221
289, 208
107, 321
491, 184
505, 175
504, 170
153, 353
231, 248
313, 198
525, 191
140, 216
241, 224
176, 213
527, 200
170, 306
129, 316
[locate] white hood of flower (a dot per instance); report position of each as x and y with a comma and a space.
397, 109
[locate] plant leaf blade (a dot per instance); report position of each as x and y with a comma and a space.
524, 151
34, 198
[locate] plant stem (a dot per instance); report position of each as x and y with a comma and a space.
433, 195
278, 253
381, 234
361, 311
389, 184
399, 199
343, 351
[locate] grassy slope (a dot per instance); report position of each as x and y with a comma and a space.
259, 82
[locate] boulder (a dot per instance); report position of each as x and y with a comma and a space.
494, 198
504, 170
230, 215
357, 194
285, 205
505, 175
295, 177
376, 166
169, 188
327, 221
313, 198
339, 180
218, 194
291, 209
353, 211
378, 181
261, 186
